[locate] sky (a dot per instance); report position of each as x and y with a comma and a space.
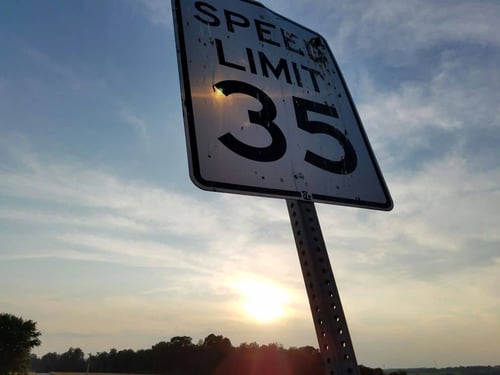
106, 243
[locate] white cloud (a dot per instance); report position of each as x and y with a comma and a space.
395, 30
138, 124
104, 218
157, 12
444, 221
56, 67
74, 185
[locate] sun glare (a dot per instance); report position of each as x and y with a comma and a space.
262, 301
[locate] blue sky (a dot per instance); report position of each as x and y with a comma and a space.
105, 242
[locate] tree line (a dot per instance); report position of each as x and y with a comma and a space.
214, 355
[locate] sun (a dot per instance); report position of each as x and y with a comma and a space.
262, 301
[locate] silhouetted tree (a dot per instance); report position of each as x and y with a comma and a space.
102, 362
125, 361
305, 360
72, 361
181, 353
212, 351
49, 362
17, 338
159, 356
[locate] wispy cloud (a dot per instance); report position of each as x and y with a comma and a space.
202, 246
364, 28
82, 214
92, 189
87, 220
425, 119
157, 12
138, 124
55, 67
89, 201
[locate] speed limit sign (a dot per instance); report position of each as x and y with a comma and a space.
266, 109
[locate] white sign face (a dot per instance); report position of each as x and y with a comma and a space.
266, 109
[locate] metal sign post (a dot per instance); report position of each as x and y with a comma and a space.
330, 323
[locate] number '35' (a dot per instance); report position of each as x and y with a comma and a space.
277, 149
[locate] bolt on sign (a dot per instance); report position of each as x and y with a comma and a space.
266, 109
